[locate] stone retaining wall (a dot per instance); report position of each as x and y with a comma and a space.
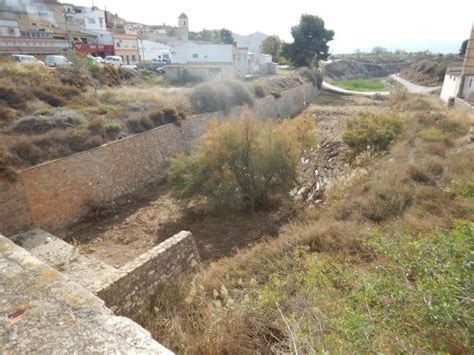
131, 292
58, 193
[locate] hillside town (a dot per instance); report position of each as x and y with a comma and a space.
50, 28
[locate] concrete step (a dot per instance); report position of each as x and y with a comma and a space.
86, 270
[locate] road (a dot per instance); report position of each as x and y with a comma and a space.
339, 90
413, 88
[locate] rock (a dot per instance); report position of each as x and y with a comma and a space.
302, 191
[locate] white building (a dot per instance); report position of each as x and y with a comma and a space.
193, 52
459, 81
149, 50
93, 18
9, 28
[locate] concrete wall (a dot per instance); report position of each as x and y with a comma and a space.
184, 72
463, 105
61, 191
131, 293
468, 88
55, 315
450, 87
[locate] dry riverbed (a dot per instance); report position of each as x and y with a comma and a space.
134, 224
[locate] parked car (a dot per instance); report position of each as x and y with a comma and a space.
98, 60
57, 61
26, 59
160, 70
113, 60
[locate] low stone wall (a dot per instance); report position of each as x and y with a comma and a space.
59, 192
131, 292
15, 213
44, 312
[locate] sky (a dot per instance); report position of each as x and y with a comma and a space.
436, 25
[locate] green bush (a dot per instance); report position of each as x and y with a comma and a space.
242, 164
220, 96
373, 131
433, 134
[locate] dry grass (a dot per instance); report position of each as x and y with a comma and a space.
311, 287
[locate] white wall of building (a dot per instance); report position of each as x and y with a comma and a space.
241, 61
149, 50
94, 19
450, 88
190, 52
9, 28
468, 88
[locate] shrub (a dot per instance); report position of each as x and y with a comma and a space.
12, 96
31, 150
105, 75
242, 164
374, 131
259, 91
433, 134
75, 76
44, 94
6, 169
220, 96
6, 115
140, 124
313, 76
166, 115
102, 110
275, 93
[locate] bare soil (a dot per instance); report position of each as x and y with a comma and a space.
133, 224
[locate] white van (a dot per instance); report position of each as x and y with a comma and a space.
113, 60
56, 60
26, 59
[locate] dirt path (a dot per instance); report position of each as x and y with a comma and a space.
134, 224
414, 88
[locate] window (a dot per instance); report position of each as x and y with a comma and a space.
91, 20
11, 31
133, 57
470, 82
195, 55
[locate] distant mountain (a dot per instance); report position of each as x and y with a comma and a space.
252, 41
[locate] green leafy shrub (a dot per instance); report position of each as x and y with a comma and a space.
374, 131
275, 93
433, 134
242, 164
220, 96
